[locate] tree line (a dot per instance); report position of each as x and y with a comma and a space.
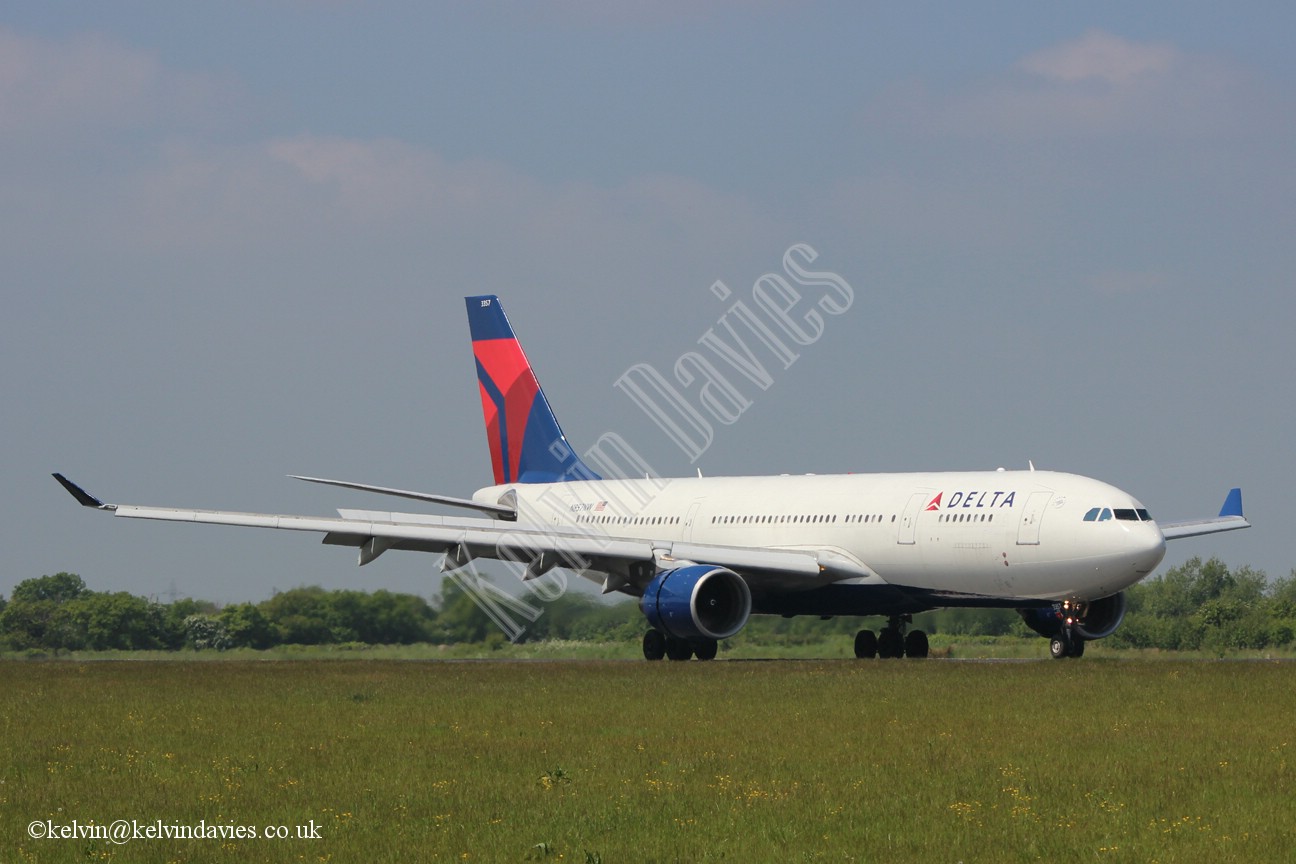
1201, 605
59, 613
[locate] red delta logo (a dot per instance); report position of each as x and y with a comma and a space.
974, 500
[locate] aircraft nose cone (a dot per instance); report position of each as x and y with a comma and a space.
1148, 548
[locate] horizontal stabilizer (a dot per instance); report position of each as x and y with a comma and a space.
499, 511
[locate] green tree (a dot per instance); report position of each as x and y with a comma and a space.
122, 621
35, 618
246, 626
1205, 605
174, 633
458, 618
959, 621
24, 624
300, 616
1282, 595
59, 588
395, 619
203, 632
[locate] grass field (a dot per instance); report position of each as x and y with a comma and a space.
594, 761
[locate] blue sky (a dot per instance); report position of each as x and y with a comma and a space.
237, 237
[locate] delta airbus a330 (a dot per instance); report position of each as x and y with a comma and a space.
704, 554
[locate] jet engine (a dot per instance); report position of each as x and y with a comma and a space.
697, 602
1101, 617
1097, 619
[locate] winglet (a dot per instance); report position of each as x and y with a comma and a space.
1233, 503
1230, 518
84, 498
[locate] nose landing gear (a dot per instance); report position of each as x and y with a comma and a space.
1068, 642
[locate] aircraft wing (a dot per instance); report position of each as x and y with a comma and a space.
627, 563
1230, 518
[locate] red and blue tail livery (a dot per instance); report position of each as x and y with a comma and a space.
526, 443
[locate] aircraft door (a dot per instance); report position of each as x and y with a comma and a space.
909, 519
1028, 530
689, 519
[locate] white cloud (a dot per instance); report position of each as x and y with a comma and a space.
335, 198
1103, 57
1113, 153
365, 180
83, 80
87, 82
1095, 86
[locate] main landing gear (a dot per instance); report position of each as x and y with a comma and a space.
893, 641
657, 645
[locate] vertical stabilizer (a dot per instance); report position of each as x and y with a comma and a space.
526, 443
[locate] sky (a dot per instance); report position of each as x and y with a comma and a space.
236, 238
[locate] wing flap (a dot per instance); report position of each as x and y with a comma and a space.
431, 533
740, 558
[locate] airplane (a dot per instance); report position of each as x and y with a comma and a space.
704, 554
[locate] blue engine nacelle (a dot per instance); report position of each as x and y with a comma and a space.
1099, 620
700, 601
1046, 620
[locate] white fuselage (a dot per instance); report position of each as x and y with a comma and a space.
1000, 534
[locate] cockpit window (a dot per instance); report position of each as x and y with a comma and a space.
1124, 514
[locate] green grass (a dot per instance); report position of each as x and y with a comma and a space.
743, 648
1095, 760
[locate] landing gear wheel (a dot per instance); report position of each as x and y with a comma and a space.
890, 643
678, 649
654, 645
866, 644
1058, 648
1066, 644
915, 644
706, 650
